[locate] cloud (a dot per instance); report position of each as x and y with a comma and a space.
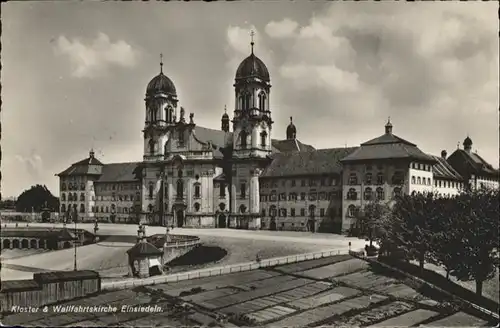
94, 58
282, 29
32, 164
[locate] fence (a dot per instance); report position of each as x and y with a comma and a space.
217, 271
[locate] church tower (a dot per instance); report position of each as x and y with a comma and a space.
161, 112
251, 144
252, 115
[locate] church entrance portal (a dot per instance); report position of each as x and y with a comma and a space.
180, 218
222, 221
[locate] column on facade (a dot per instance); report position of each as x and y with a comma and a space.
254, 192
144, 202
189, 194
203, 191
210, 191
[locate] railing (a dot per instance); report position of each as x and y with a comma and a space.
217, 271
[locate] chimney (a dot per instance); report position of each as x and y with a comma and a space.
443, 154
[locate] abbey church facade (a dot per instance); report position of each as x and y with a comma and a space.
238, 176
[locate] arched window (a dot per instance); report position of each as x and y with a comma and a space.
96, 209
63, 208
368, 194
179, 173
351, 211
82, 208
196, 191
419, 181
368, 178
243, 208
397, 192
181, 136
113, 208
272, 196
272, 211
151, 146
151, 190
75, 197
353, 179
196, 207
413, 179
243, 139
246, 100
263, 138
352, 194
262, 101
82, 197
169, 113
63, 186
283, 212
380, 193
63, 197
429, 181
222, 189
180, 189
240, 101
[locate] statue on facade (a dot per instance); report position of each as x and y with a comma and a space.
191, 118
183, 112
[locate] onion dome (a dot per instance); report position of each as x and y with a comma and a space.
161, 84
291, 130
252, 67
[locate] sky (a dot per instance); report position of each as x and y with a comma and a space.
74, 74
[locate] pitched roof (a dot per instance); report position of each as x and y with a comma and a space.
120, 172
476, 163
87, 166
20, 285
321, 161
387, 146
442, 169
59, 276
290, 145
40, 233
144, 249
215, 137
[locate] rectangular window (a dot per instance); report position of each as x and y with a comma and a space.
292, 212
321, 212
263, 212
293, 183
283, 196
222, 190
302, 196
303, 183
302, 212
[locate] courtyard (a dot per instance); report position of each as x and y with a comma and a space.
339, 291
110, 260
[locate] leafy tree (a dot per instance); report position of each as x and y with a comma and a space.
371, 218
476, 217
447, 238
413, 223
37, 198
